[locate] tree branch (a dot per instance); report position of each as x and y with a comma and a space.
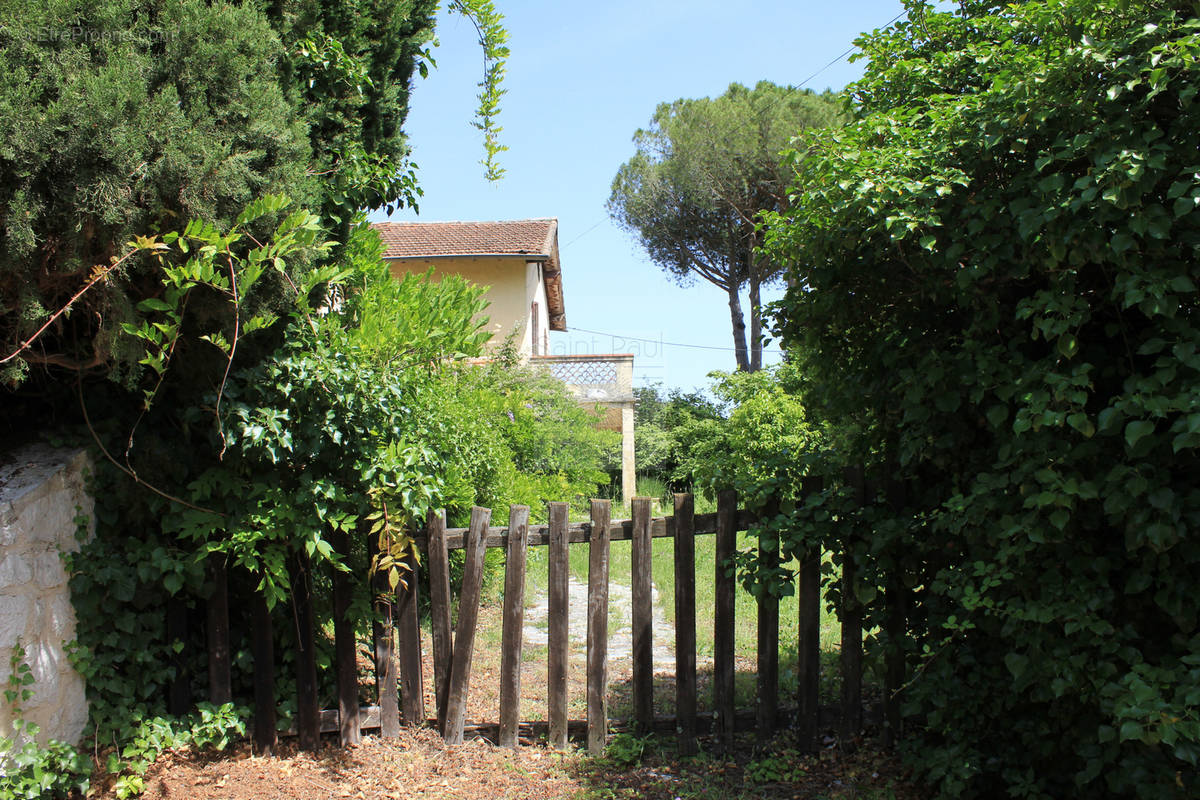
95, 436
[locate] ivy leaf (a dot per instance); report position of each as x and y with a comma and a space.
1131, 730
1082, 423
997, 414
1017, 664
1136, 430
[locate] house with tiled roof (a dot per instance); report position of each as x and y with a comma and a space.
517, 260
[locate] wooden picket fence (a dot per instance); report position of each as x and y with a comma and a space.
398, 674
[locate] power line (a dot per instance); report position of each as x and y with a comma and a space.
661, 342
846, 52
599, 222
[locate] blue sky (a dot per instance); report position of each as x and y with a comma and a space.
581, 79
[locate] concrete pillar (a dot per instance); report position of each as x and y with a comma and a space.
628, 463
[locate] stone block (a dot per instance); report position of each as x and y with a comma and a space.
61, 713
58, 618
15, 612
48, 571
8, 525
15, 571
73, 712
46, 660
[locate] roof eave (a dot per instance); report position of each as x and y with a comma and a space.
552, 275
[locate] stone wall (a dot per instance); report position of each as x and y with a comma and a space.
41, 495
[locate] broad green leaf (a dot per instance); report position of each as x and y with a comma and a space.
1136, 430
1017, 664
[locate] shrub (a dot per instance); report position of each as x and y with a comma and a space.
995, 290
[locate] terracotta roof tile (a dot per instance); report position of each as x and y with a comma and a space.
516, 237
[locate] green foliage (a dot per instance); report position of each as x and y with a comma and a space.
703, 172
625, 750
209, 728
781, 767
363, 418
762, 450
203, 107
172, 86
996, 291
493, 39
661, 429
525, 437
322, 436
439, 319
29, 771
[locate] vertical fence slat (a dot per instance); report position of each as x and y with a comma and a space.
768, 635
464, 633
597, 628
643, 616
895, 603
408, 642
439, 606
308, 716
265, 722
179, 695
383, 632
685, 623
514, 625
556, 667
852, 646
723, 619
893, 660
808, 666
220, 683
345, 648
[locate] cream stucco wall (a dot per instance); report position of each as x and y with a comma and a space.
513, 285
536, 289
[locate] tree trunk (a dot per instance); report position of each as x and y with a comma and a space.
755, 314
739, 327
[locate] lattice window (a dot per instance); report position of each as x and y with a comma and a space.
585, 373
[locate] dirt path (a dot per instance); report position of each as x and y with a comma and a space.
620, 623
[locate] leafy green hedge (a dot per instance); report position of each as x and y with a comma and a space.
996, 285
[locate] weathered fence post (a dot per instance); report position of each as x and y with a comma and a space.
723, 619
439, 601
896, 603
345, 649
808, 667
685, 623
383, 633
220, 683
308, 712
514, 624
464, 634
556, 667
408, 639
643, 615
597, 628
768, 630
852, 648
266, 734
179, 694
